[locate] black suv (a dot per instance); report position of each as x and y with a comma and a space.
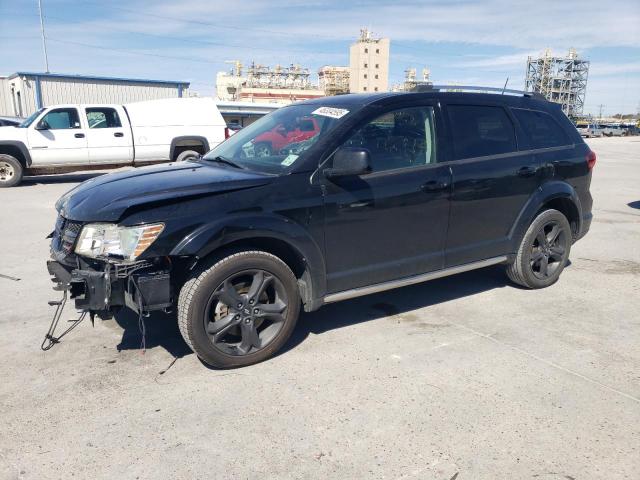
386, 190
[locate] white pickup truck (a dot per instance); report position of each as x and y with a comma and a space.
65, 138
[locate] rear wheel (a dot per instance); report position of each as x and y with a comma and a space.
187, 155
10, 171
239, 311
543, 252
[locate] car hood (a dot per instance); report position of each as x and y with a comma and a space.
12, 133
107, 198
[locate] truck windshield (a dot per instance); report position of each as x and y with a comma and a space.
275, 142
31, 118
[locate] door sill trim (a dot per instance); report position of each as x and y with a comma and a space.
403, 282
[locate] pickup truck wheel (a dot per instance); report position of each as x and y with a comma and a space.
187, 155
239, 311
263, 150
10, 171
543, 252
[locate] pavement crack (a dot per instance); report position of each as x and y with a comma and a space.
548, 362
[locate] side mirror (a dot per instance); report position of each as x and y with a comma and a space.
281, 130
349, 161
42, 125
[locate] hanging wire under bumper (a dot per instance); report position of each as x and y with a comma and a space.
49, 339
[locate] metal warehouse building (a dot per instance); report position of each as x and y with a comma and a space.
24, 92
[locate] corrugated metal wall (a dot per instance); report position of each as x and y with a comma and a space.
68, 90
6, 107
57, 90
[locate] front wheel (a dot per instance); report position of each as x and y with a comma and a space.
10, 171
240, 311
543, 252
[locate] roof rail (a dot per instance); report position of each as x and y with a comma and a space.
471, 88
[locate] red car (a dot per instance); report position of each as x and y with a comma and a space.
282, 135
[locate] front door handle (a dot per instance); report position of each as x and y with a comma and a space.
434, 186
79, 135
118, 134
527, 171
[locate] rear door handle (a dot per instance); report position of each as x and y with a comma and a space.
527, 171
79, 135
118, 134
434, 186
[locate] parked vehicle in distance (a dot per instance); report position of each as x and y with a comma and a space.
612, 130
630, 130
10, 121
589, 130
295, 131
233, 127
64, 138
387, 190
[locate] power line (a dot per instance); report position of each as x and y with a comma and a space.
181, 39
203, 23
236, 27
132, 52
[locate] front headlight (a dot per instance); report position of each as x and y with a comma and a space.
110, 240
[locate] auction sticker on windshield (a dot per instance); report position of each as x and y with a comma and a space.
289, 160
330, 112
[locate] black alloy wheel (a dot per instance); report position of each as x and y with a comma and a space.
543, 251
548, 249
239, 310
246, 312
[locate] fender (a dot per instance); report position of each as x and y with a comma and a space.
20, 146
546, 192
214, 235
196, 138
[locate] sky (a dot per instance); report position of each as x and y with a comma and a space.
460, 41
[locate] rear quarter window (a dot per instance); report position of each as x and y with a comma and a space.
480, 130
541, 128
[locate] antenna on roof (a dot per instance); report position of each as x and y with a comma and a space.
505, 86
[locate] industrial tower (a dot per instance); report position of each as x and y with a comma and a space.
561, 80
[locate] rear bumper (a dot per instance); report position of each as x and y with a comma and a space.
103, 287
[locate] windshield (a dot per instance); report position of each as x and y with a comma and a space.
276, 141
31, 118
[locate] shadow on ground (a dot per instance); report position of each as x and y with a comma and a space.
162, 330
635, 204
61, 178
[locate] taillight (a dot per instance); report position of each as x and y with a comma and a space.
226, 133
591, 159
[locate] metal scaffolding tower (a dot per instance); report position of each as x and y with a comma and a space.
561, 80
293, 76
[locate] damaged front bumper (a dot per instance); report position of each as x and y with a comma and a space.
103, 287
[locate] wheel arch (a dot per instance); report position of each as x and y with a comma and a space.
276, 235
187, 141
557, 195
16, 149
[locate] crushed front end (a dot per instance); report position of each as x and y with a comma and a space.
107, 282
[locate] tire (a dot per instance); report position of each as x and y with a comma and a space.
263, 149
256, 326
187, 155
11, 171
542, 256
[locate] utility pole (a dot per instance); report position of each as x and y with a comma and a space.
600, 107
44, 40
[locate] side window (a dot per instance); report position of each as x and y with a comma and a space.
61, 119
479, 130
398, 139
543, 130
100, 117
